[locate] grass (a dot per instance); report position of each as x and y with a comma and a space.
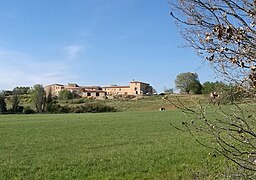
145, 103
124, 145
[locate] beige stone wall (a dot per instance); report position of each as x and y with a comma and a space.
117, 90
134, 88
54, 89
94, 94
140, 88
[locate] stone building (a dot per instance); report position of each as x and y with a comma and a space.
135, 88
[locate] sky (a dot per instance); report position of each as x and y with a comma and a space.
92, 42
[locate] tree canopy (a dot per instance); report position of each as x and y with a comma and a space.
188, 82
2, 104
65, 94
38, 97
209, 87
21, 90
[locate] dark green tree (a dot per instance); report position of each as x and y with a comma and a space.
2, 104
209, 87
15, 100
65, 95
188, 83
20, 90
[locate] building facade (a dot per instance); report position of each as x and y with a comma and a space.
135, 88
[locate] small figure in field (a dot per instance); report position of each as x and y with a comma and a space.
162, 109
215, 98
214, 95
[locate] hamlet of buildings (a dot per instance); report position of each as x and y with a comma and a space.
135, 88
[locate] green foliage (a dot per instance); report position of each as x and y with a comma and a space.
79, 101
15, 100
20, 90
209, 87
2, 104
126, 145
28, 110
169, 91
65, 95
53, 107
90, 107
188, 83
49, 97
229, 92
38, 97
195, 87
7, 93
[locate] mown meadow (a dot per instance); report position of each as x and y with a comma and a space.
121, 145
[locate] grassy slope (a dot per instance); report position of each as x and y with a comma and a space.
108, 145
146, 103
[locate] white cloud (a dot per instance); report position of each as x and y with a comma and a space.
21, 69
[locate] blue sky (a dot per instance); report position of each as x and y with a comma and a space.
92, 42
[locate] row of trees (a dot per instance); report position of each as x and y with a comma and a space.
189, 83
46, 103
37, 94
37, 97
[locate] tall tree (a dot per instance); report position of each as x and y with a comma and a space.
2, 104
223, 32
188, 82
15, 102
38, 97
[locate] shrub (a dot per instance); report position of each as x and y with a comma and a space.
19, 109
65, 95
2, 105
53, 107
28, 110
92, 108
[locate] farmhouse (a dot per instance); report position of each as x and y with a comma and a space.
135, 88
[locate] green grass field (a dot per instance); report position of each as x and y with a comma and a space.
124, 145
145, 103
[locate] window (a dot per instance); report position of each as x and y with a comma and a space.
97, 94
135, 89
136, 92
88, 94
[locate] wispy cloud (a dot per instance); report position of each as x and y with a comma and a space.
73, 51
21, 69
